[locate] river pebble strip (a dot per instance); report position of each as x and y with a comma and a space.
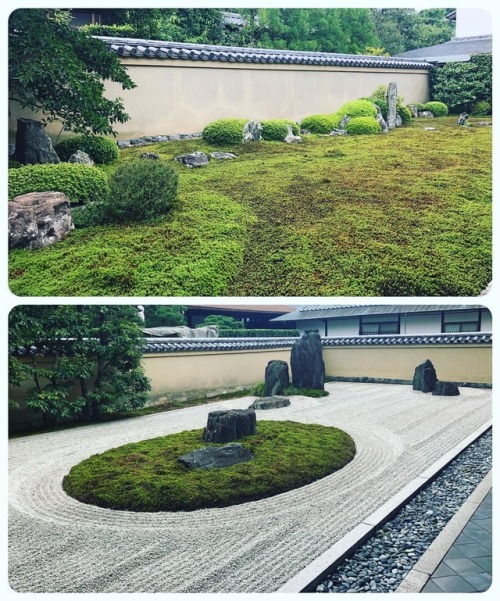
380, 564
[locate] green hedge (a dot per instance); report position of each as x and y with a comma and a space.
483, 107
438, 109
80, 183
100, 149
363, 126
258, 333
224, 131
405, 114
276, 129
358, 108
320, 123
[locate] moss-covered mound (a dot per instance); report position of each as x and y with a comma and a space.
146, 476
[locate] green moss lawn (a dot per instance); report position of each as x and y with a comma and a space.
407, 213
146, 476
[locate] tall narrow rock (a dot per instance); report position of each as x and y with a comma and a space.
392, 99
33, 145
424, 378
308, 367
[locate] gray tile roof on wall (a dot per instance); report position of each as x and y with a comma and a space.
331, 311
183, 345
456, 50
232, 54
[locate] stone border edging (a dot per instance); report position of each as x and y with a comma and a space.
308, 578
418, 576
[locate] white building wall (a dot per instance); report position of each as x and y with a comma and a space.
421, 324
343, 327
486, 322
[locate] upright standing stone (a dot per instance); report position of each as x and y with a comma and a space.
382, 122
424, 378
33, 145
252, 132
392, 99
463, 119
277, 378
226, 426
308, 367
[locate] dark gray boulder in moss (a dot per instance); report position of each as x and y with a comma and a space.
216, 457
270, 402
308, 367
276, 377
425, 377
33, 144
445, 389
226, 426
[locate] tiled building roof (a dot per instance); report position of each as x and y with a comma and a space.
456, 50
203, 52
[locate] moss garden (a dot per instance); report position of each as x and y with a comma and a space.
400, 214
146, 476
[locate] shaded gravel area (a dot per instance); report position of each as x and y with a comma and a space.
59, 545
384, 560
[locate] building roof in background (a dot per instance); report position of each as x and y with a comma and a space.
456, 50
335, 311
233, 54
252, 308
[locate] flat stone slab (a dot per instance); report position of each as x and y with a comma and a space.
216, 457
223, 156
270, 402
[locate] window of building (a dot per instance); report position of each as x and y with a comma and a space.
469, 321
380, 324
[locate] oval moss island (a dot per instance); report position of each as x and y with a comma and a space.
147, 476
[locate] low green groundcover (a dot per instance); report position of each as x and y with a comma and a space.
146, 476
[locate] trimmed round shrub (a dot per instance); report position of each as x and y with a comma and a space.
482, 107
320, 123
405, 114
276, 129
140, 190
438, 109
358, 108
80, 183
100, 149
363, 125
224, 131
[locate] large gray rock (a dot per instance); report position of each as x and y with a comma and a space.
392, 100
150, 155
426, 114
216, 457
193, 160
445, 389
382, 122
399, 121
252, 132
414, 110
223, 156
276, 377
270, 402
290, 137
81, 158
463, 119
226, 426
308, 367
424, 378
344, 121
39, 219
33, 145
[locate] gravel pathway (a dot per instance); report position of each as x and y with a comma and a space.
57, 544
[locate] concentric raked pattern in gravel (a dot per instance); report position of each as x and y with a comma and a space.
57, 544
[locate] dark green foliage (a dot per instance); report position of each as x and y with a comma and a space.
224, 132
482, 107
95, 347
461, 85
405, 114
141, 190
100, 149
146, 476
164, 315
276, 129
14, 164
223, 321
418, 105
60, 70
320, 123
259, 333
80, 183
363, 125
358, 108
382, 104
438, 109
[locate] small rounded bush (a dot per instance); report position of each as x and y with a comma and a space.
405, 114
276, 129
80, 183
482, 107
224, 131
100, 149
438, 109
418, 105
320, 124
140, 190
363, 125
358, 108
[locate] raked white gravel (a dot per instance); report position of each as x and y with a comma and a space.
57, 544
